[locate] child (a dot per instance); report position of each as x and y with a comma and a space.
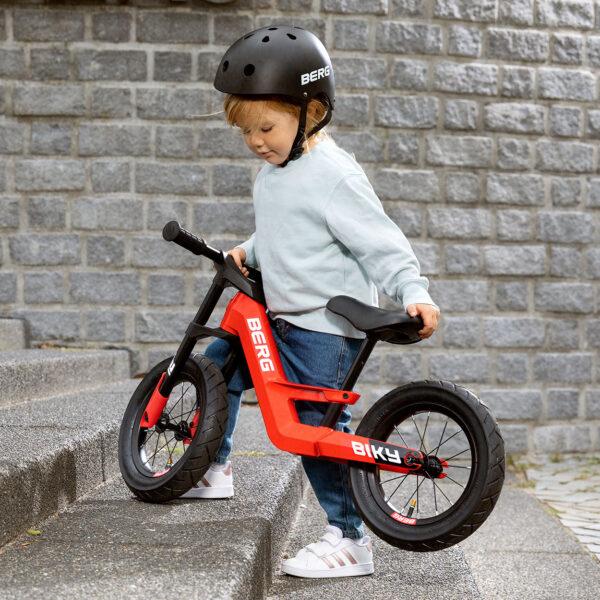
320, 232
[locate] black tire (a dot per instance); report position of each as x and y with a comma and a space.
211, 407
485, 476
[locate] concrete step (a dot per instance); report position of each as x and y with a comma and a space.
27, 375
108, 544
14, 334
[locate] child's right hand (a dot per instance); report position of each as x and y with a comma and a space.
239, 256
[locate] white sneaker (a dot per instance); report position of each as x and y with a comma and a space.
332, 556
216, 483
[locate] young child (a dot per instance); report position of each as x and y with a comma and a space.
320, 232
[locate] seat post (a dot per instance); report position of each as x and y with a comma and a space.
334, 410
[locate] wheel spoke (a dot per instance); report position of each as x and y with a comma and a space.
454, 480
458, 454
446, 440
417, 490
459, 467
422, 445
403, 441
425, 431
411, 497
390, 496
441, 437
155, 450
442, 492
434, 495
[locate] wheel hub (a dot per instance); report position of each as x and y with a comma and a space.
432, 467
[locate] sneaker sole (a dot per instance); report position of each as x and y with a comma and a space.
213, 492
347, 571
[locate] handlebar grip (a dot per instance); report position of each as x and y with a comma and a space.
172, 232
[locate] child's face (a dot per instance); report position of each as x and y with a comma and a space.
272, 136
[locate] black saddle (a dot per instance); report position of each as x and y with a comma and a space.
394, 326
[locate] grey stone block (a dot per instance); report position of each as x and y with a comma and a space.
215, 218
461, 332
592, 331
592, 262
464, 151
461, 295
208, 63
518, 82
163, 211
106, 213
464, 41
409, 74
104, 325
466, 10
593, 193
419, 112
230, 180
562, 334
36, 99
408, 38
50, 63
564, 297
12, 63
43, 288
34, 250
513, 225
114, 140
166, 290
593, 50
161, 326
512, 295
562, 438
460, 367
409, 220
350, 34
514, 260
401, 368
14, 334
566, 84
572, 157
568, 367
516, 12
111, 102
461, 114
516, 438
352, 110
34, 25
524, 190
565, 227
171, 178
593, 123
46, 212
565, 191
567, 49
517, 44
111, 26
12, 136
512, 367
105, 250
565, 13
377, 7
428, 257
408, 8
172, 66
110, 176
103, 65
156, 252
63, 325
8, 287
413, 186
514, 117
592, 403
9, 213
463, 187
463, 259
565, 121
565, 262
174, 142
364, 146
220, 142
403, 148
49, 175
367, 73
172, 27
106, 288
50, 138
562, 403
511, 404
515, 332
471, 78
459, 223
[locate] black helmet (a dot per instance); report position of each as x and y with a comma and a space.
280, 60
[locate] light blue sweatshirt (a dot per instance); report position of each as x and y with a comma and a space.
321, 231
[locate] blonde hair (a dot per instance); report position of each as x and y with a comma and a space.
248, 109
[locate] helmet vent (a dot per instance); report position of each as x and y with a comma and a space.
296, 27
266, 38
272, 28
291, 36
225, 65
248, 70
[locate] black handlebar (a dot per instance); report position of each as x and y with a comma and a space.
172, 232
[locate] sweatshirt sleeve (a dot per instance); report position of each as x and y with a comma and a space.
355, 216
248, 246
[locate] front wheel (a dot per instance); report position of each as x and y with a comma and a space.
458, 490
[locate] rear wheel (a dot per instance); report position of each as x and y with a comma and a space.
457, 490
161, 463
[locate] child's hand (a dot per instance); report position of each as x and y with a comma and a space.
239, 256
430, 315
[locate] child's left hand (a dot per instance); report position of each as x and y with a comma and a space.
430, 315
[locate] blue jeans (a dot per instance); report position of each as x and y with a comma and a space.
312, 358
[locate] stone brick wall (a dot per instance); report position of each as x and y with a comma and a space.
477, 122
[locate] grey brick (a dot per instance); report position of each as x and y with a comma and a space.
567, 49
163, 211
514, 260
229, 28
43, 288
516, 332
172, 103
166, 290
513, 225
9, 213
48, 100
105, 251
592, 331
565, 262
514, 154
2, 175
352, 109
461, 295
511, 367
463, 259
114, 140
592, 403
428, 257
459, 223
172, 66
517, 44
565, 226
593, 124
463, 151
516, 12
513, 404
51, 175
400, 367
593, 50
572, 157
562, 334
110, 176
592, 262
419, 112
565, 13
364, 146
466, 10
111, 26
562, 438
12, 136
518, 82
368, 73
462, 187
408, 38
565, 191
105, 288
524, 190
220, 142
93, 213
409, 220
315, 25
516, 438
464, 41
172, 27
111, 102
104, 325
8, 287
514, 117
565, 121
466, 78
46, 212
351, 34
50, 63
564, 297
102, 65
461, 332
228, 180
569, 367
567, 84
48, 25
208, 63
50, 138
562, 403
377, 7
224, 217
12, 63
511, 295
161, 326
2, 27
174, 142
413, 186
408, 8
52, 324
403, 148
409, 74
460, 367
34, 250
593, 195
155, 252
461, 114
171, 178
